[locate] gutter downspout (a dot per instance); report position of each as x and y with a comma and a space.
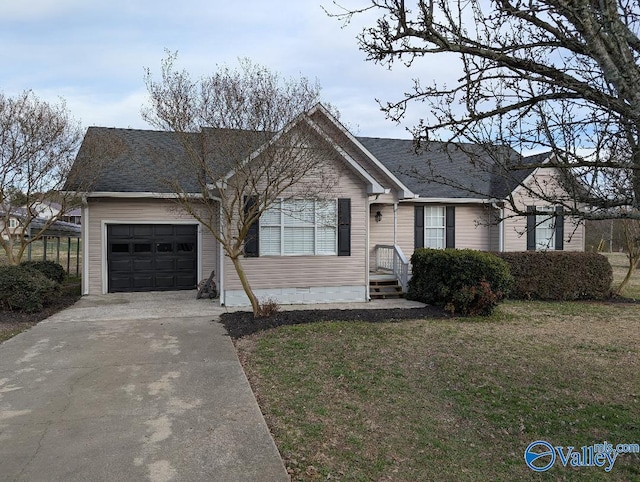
367, 215
501, 230
221, 260
500, 209
85, 246
395, 223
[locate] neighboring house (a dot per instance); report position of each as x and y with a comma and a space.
137, 239
17, 221
13, 229
49, 209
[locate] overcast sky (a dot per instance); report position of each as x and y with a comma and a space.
92, 53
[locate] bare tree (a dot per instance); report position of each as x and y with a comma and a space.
631, 239
38, 142
533, 75
249, 147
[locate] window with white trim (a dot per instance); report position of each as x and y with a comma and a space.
434, 227
13, 223
299, 227
545, 229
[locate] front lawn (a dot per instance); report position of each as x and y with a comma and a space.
451, 399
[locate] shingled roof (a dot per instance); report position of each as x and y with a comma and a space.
143, 160
448, 170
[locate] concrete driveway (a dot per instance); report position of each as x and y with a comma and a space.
131, 388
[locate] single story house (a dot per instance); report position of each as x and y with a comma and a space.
137, 239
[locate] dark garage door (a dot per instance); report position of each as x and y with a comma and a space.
151, 257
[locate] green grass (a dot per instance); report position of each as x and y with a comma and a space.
455, 399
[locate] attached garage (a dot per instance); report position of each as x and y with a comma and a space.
151, 257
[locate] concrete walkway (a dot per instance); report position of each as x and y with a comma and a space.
131, 388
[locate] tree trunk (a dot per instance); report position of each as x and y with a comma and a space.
255, 305
633, 263
630, 230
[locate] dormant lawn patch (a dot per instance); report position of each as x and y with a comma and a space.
451, 399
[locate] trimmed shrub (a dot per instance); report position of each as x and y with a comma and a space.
559, 275
461, 281
25, 289
50, 269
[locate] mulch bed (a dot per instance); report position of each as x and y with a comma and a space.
16, 321
242, 323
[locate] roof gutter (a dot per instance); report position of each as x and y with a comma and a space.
139, 195
450, 200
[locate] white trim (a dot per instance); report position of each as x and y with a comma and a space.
103, 249
282, 211
85, 246
501, 227
395, 224
448, 200
406, 192
367, 231
221, 260
135, 195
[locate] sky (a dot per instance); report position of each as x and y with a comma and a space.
92, 54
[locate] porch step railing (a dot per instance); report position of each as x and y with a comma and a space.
391, 259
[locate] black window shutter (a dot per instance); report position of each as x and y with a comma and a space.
531, 228
559, 228
418, 225
252, 241
450, 223
344, 227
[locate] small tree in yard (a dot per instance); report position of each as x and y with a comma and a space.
248, 147
38, 142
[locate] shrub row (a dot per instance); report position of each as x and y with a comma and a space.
461, 281
558, 275
26, 288
50, 269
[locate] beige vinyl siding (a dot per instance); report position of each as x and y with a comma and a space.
472, 227
314, 271
128, 211
379, 232
515, 227
472, 231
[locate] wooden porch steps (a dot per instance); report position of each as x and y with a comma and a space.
384, 286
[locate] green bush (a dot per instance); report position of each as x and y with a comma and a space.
461, 281
50, 269
25, 289
559, 275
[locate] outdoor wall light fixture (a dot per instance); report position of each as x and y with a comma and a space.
378, 216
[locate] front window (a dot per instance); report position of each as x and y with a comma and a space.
434, 225
545, 228
299, 227
13, 223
